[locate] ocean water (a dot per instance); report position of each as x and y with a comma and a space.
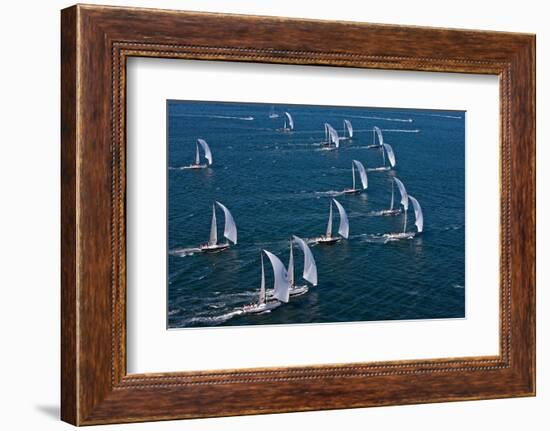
280, 184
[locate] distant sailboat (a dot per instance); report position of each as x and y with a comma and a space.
229, 232
362, 175
310, 268
419, 218
272, 113
348, 130
288, 125
332, 140
386, 149
343, 229
376, 133
391, 211
281, 287
207, 155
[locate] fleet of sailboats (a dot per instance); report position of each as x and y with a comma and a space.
207, 155
285, 285
229, 231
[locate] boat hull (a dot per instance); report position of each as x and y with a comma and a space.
214, 248
398, 236
328, 241
293, 292
260, 308
390, 213
352, 191
380, 169
197, 166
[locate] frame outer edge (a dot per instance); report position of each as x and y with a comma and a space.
69, 196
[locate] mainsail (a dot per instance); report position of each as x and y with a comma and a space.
344, 224
206, 148
329, 225
230, 230
281, 283
310, 268
403, 191
419, 218
379, 134
290, 121
262, 298
290, 269
391, 155
362, 174
333, 136
349, 128
213, 228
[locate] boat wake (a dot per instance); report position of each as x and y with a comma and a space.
212, 320
329, 193
223, 117
401, 120
182, 252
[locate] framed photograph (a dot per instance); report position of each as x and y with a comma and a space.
317, 215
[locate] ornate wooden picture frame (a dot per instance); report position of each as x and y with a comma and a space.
96, 41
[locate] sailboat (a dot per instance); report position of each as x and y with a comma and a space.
281, 287
272, 113
229, 232
391, 211
310, 268
207, 155
362, 175
288, 125
376, 132
419, 218
348, 130
386, 149
343, 229
332, 140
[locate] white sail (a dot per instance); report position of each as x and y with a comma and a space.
379, 134
230, 229
349, 128
206, 148
262, 298
213, 228
344, 223
290, 268
419, 217
310, 267
329, 225
391, 155
290, 121
281, 284
362, 173
197, 155
403, 191
334, 136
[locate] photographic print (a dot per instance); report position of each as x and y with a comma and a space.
299, 214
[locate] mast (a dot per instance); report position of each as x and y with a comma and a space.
291, 265
353, 175
405, 223
329, 225
262, 283
383, 156
392, 197
213, 228
197, 155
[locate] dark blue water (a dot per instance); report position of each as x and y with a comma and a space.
278, 184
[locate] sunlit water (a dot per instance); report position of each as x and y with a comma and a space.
278, 184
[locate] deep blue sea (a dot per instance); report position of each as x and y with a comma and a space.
278, 184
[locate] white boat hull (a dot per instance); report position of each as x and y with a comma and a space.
398, 236
327, 241
214, 248
352, 191
293, 292
197, 166
390, 213
260, 308
380, 169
